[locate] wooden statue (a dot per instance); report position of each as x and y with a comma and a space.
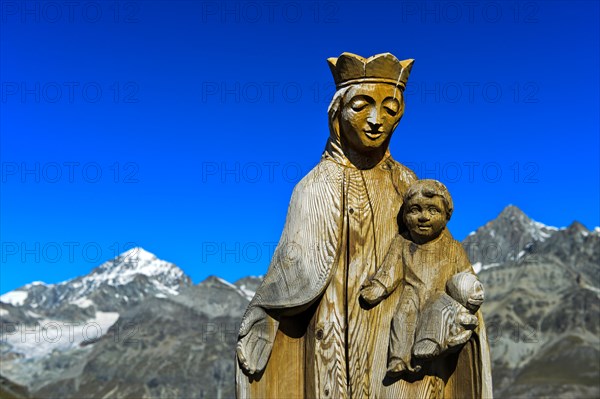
308, 333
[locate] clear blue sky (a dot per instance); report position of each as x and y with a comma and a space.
183, 126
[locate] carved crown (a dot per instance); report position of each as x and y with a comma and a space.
350, 69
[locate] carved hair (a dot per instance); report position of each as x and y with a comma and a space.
430, 188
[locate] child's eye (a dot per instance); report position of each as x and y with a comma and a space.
433, 210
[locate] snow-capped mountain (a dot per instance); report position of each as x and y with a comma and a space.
100, 326
120, 282
508, 237
42, 321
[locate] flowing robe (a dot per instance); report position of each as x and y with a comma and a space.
340, 223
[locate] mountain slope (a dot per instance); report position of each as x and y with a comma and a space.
181, 346
542, 305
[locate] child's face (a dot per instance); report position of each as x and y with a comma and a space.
425, 217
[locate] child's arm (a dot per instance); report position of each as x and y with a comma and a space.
388, 275
373, 292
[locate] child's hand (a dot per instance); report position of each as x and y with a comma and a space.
467, 320
373, 292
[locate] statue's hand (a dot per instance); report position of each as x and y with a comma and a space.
373, 292
253, 349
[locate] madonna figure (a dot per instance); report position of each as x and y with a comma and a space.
307, 333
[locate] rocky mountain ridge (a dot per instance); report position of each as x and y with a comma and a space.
116, 284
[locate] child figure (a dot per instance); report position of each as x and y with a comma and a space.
423, 264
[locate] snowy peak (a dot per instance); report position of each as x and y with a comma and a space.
577, 227
36, 283
509, 237
513, 218
512, 212
124, 268
119, 283
138, 253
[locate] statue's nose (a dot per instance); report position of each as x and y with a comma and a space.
373, 119
375, 126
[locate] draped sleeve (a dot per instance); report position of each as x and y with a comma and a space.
308, 249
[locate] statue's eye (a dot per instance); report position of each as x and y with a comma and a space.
391, 106
434, 210
358, 104
414, 209
390, 111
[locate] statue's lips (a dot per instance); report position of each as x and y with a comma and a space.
475, 301
424, 227
373, 135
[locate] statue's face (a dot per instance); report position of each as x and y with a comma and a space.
476, 296
370, 114
425, 217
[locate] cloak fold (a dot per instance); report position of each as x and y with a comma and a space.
308, 249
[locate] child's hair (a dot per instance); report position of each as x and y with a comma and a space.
429, 188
